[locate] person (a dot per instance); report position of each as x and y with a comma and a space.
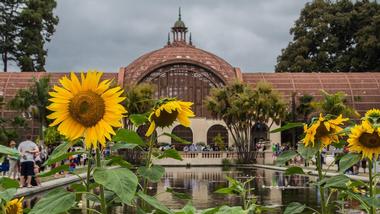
5, 165
13, 161
27, 150
364, 164
36, 170
72, 166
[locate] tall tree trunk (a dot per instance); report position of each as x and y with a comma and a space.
5, 61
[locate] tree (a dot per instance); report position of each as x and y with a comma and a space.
305, 107
37, 23
335, 104
34, 101
340, 36
240, 107
9, 12
139, 99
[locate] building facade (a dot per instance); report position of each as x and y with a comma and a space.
182, 70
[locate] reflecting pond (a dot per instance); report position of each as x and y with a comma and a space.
271, 187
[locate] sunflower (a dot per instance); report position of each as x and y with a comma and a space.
14, 206
365, 139
167, 111
372, 116
87, 108
323, 130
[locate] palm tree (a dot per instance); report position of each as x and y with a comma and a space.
305, 107
335, 104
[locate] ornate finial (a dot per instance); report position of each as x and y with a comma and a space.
179, 13
190, 41
168, 39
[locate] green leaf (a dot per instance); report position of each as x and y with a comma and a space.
176, 138
120, 180
122, 145
285, 157
7, 183
55, 202
154, 202
153, 174
287, 126
188, 209
8, 194
348, 160
78, 187
226, 190
294, 170
55, 170
66, 155
128, 136
170, 153
8, 151
294, 208
138, 119
230, 210
338, 181
119, 161
178, 195
307, 152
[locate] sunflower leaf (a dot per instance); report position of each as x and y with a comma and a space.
153, 202
128, 136
285, 157
55, 202
55, 170
153, 174
8, 151
294, 207
307, 152
294, 170
287, 126
176, 138
170, 153
347, 161
122, 181
7, 183
138, 119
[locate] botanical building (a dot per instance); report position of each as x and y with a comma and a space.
180, 69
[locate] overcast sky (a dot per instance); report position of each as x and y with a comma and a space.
108, 34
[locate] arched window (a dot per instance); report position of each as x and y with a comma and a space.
184, 133
213, 134
259, 132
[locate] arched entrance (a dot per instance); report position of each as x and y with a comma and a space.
184, 133
217, 133
259, 133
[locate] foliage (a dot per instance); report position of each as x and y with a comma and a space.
33, 100
25, 27
52, 136
240, 107
340, 36
335, 104
10, 11
139, 99
305, 107
219, 142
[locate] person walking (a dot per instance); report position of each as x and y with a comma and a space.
13, 161
27, 150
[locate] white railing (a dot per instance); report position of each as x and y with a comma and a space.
199, 158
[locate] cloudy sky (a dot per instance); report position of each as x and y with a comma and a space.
109, 34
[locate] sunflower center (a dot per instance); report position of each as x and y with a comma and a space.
165, 118
370, 140
87, 108
321, 131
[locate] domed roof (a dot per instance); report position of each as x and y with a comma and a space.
179, 23
177, 53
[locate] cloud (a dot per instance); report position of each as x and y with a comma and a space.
109, 34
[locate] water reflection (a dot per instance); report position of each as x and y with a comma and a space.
271, 188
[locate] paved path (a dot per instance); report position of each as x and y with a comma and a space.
50, 185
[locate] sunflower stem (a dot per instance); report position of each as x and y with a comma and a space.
370, 163
148, 164
88, 181
320, 177
102, 198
